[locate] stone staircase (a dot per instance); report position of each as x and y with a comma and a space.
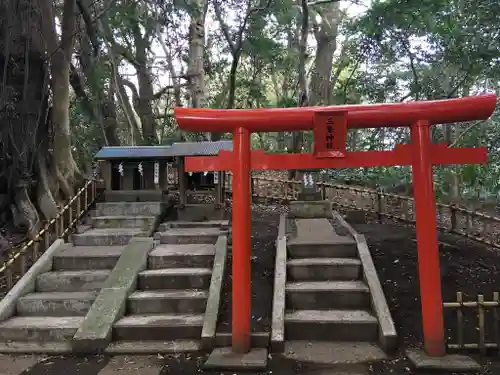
168, 307
115, 223
55, 309
327, 297
50, 307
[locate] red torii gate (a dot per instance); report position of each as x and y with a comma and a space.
330, 126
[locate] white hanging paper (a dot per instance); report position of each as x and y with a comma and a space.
308, 180
120, 169
157, 173
216, 178
139, 167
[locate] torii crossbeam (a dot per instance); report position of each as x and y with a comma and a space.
330, 126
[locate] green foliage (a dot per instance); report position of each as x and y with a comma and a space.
398, 50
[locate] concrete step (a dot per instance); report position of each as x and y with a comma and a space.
56, 304
153, 347
86, 257
189, 236
321, 249
128, 208
188, 255
175, 278
193, 224
71, 281
142, 222
331, 325
38, 328
82, 228
324, 295
323, 269
167, 302
107, 236
199, 211
133, 195
158, 327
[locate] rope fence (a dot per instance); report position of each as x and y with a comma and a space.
19, 259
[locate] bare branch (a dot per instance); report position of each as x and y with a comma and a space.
135, 93
91, 31
117, 48
236, 46
321, 2
159, 94
169, 57
469, 128
247, 17
304, 32
224, 27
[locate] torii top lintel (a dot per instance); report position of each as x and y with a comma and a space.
358, 116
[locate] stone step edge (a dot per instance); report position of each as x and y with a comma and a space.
342, 317
125, 322
180, 271
328, 286
56, 296
124, 217
153, 347
116, 347
332, 261
168, 294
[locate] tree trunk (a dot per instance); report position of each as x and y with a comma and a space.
65, 169
302, 100
196, 71
146, 93
22, 89
110, 122
326, 40
135, 131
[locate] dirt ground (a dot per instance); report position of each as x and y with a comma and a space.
466, 266
265, 220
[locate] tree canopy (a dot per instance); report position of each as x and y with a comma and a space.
81, 74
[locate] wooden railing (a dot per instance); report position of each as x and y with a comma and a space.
450, 217
480, 317
19, 259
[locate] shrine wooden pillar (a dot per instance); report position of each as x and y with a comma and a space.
128, 176
219, 188
105, 168
182, 181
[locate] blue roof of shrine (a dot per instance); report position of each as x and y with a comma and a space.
163, 152
133, 152
200, 148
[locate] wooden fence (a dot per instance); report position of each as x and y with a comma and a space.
451, 218
18, 260
481, 317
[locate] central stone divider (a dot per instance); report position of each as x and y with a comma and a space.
162, 296
95, 332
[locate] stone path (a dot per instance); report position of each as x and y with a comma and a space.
315, 229
135, 365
